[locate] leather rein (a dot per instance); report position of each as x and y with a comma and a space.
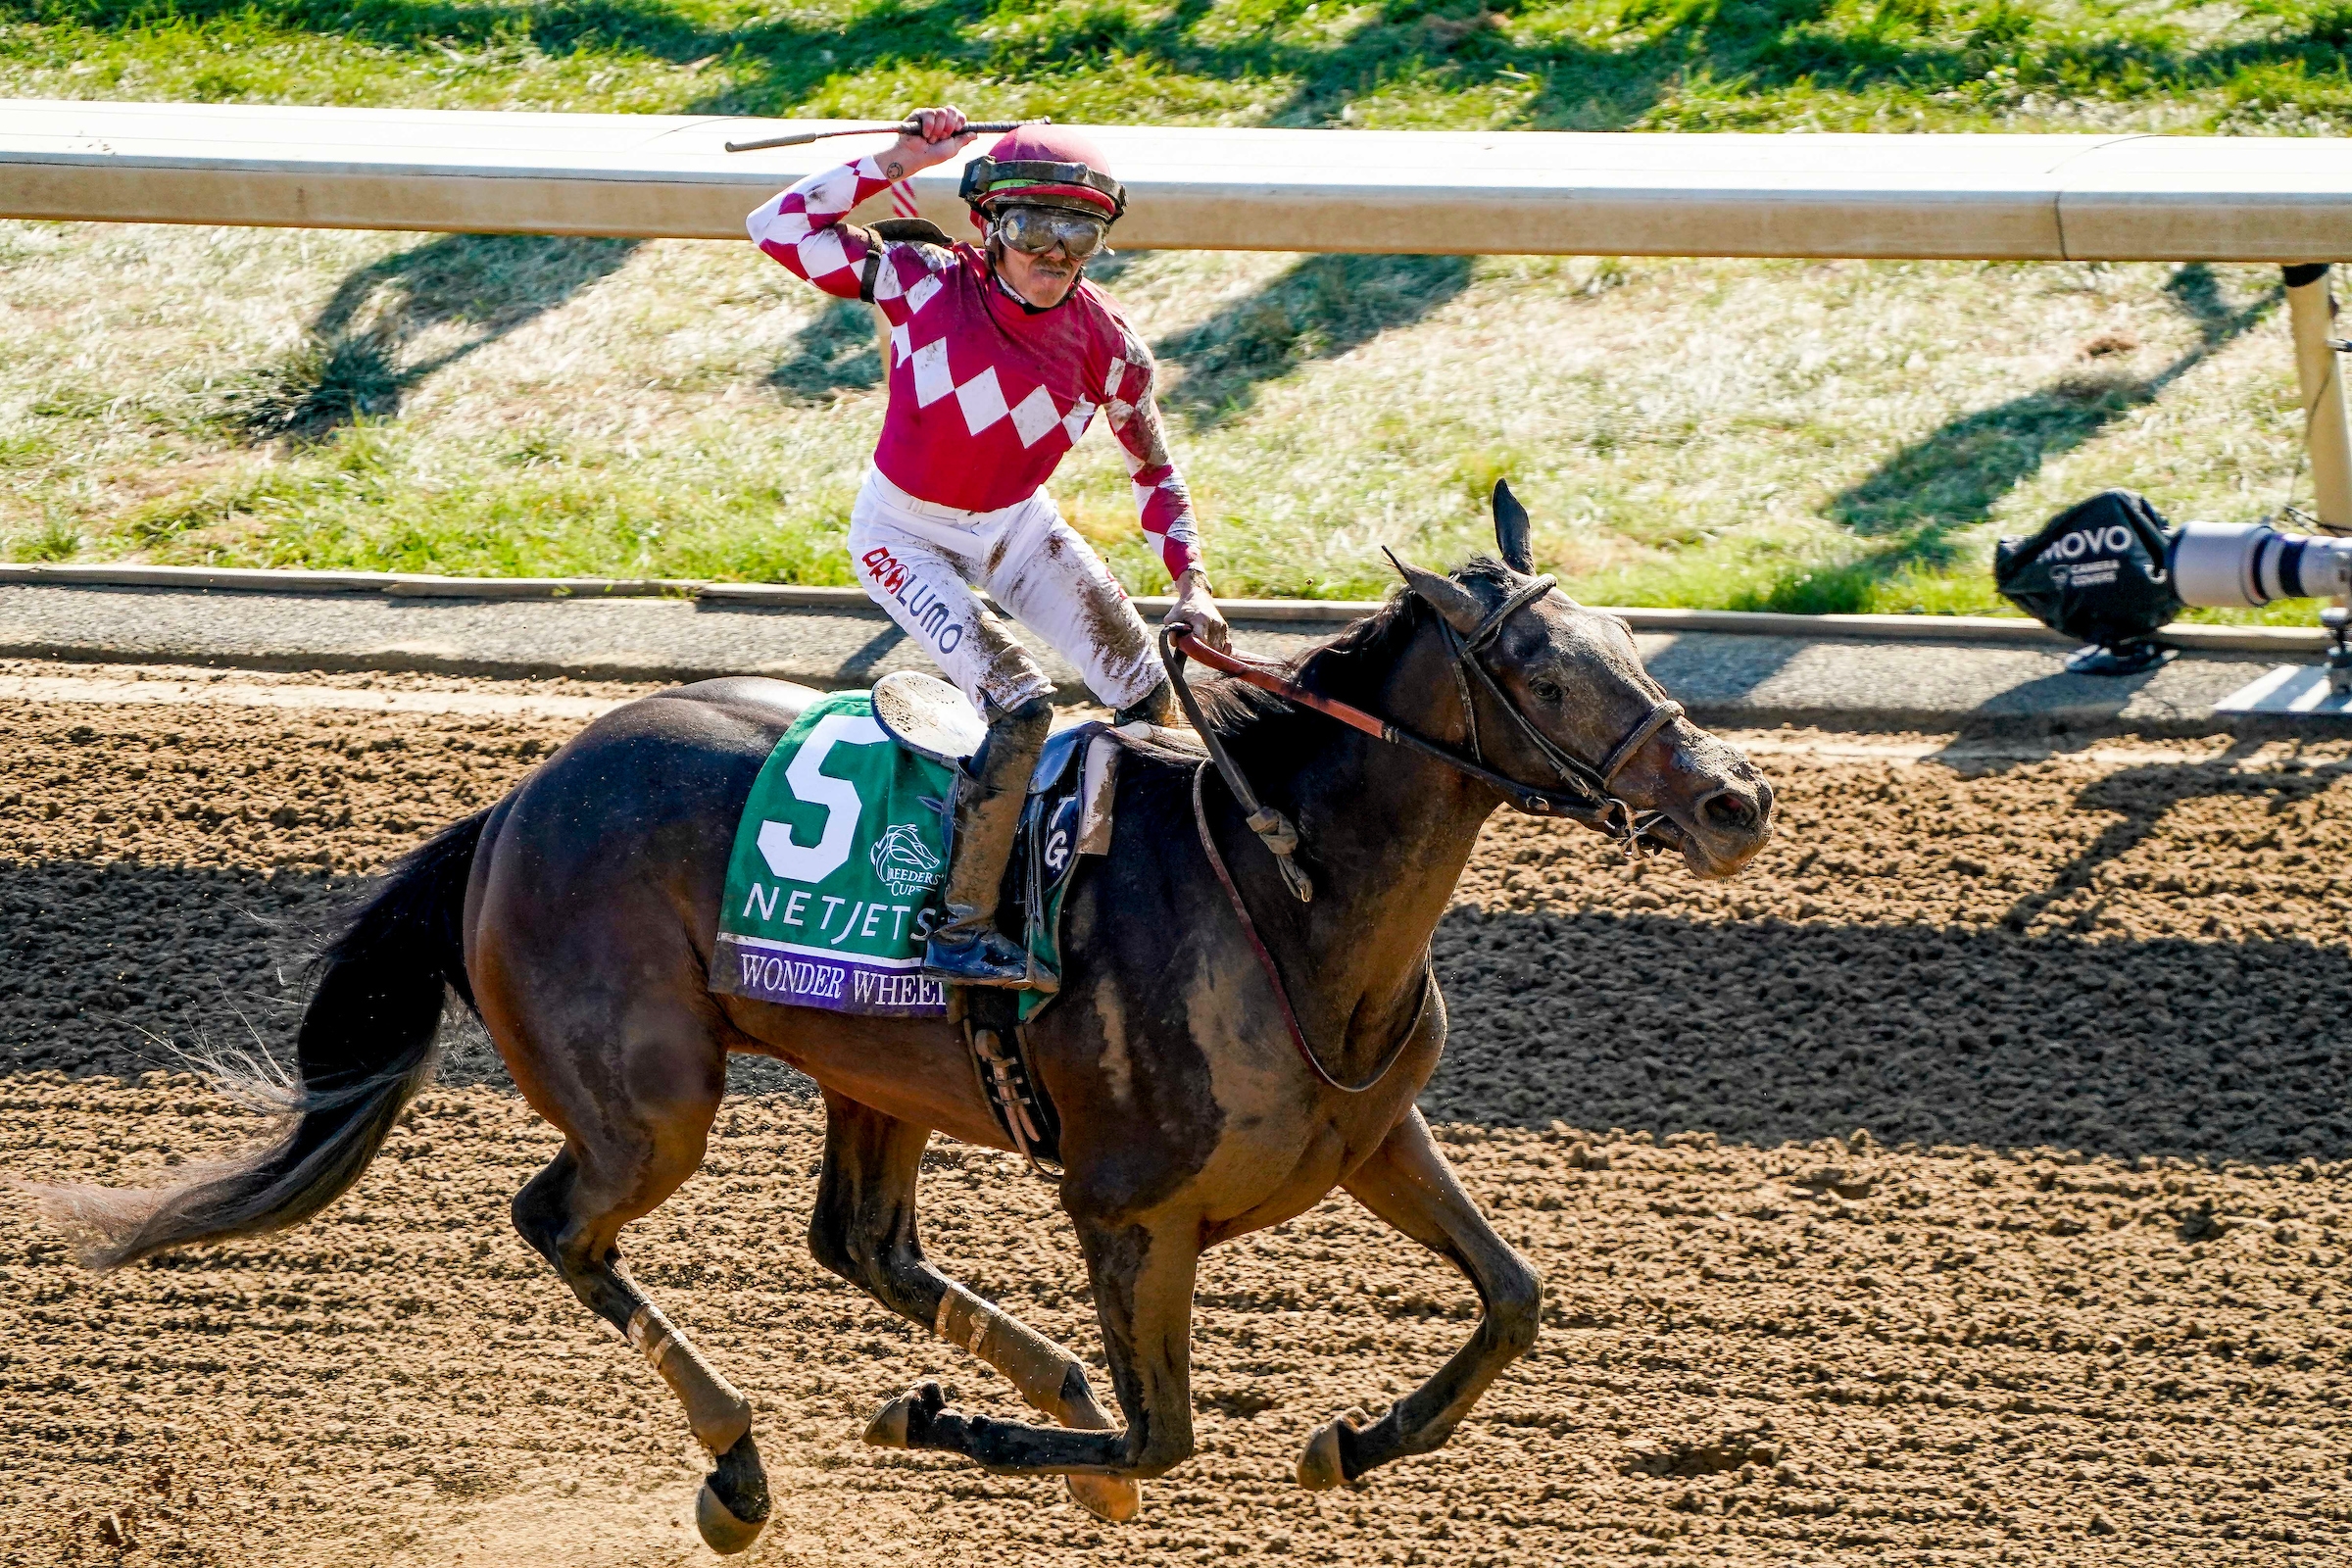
1590, 797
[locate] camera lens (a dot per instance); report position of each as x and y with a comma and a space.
2245, 565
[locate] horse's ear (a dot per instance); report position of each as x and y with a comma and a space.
1512, 531
1457, 604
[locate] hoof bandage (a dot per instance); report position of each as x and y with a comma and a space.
718, 1413
1046, 1374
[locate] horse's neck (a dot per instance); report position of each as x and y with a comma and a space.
1387, 833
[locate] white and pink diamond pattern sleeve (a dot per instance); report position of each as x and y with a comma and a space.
802, 228
1161, 503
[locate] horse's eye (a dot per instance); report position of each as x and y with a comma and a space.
1545, 690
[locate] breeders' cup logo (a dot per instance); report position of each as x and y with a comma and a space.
904, 862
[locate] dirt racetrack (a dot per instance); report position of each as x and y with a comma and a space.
1971, 1182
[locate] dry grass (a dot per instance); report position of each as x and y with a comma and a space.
1823, 436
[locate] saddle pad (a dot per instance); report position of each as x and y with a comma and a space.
1068, 815
836, 870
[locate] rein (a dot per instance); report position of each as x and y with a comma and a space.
1266, 961
1592, 802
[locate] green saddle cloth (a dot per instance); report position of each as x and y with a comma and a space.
834, 880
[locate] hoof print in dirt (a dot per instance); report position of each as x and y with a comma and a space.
1724, 1453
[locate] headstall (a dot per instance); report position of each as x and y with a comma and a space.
1591, 799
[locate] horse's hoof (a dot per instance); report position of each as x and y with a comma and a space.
1321, 1467
888, 1428
895, 1425
1107, 1498
722, 1531
733, 1505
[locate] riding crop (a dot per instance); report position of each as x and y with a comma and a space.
905, 127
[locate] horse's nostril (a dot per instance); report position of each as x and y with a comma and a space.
1732, 811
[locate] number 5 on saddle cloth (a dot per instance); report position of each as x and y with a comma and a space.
834, 880
843, 844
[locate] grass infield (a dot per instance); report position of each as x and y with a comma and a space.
1813, 436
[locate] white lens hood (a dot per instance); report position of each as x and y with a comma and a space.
2245, 565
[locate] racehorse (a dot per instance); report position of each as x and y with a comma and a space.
1223, 1052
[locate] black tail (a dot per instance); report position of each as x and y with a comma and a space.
366, 1046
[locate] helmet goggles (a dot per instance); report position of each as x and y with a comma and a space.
1037, 230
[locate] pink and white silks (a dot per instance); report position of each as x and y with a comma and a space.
986, 396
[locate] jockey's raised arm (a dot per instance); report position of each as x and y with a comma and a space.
805, 228
1001, 354
1162, 505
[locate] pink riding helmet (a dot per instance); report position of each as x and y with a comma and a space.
1048, 166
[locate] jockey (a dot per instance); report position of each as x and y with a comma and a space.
999, 356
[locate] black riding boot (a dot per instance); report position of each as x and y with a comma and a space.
967, 948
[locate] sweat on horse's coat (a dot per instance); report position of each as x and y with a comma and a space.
576, 916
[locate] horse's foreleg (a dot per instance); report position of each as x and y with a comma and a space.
1407, 1183
863, 1229
573, 1218
1143, 1283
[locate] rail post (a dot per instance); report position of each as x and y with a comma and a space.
2311, 311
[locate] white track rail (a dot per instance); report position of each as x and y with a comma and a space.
1999, 198
1877, 197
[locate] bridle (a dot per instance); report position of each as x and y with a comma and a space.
1598, 804
1590, 797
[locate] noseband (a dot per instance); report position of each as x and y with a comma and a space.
1590, 799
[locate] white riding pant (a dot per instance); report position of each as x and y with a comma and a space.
922, 562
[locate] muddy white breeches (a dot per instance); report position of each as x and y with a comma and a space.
922, 562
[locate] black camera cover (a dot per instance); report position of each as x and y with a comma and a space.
2097, 571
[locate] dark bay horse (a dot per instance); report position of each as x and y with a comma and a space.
576, 916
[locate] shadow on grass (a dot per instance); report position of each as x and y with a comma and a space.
837, 352
355, 362
1949, 480
1320, 309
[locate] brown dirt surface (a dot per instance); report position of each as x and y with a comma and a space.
1969, 1182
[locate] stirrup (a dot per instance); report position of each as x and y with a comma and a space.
986, 957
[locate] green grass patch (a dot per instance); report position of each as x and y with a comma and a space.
1813, 437
1573, 64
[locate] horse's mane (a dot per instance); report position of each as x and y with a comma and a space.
1345, 667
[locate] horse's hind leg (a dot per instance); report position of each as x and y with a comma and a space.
573, 1210
863, 1230
1143, 1282
1407, 1183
